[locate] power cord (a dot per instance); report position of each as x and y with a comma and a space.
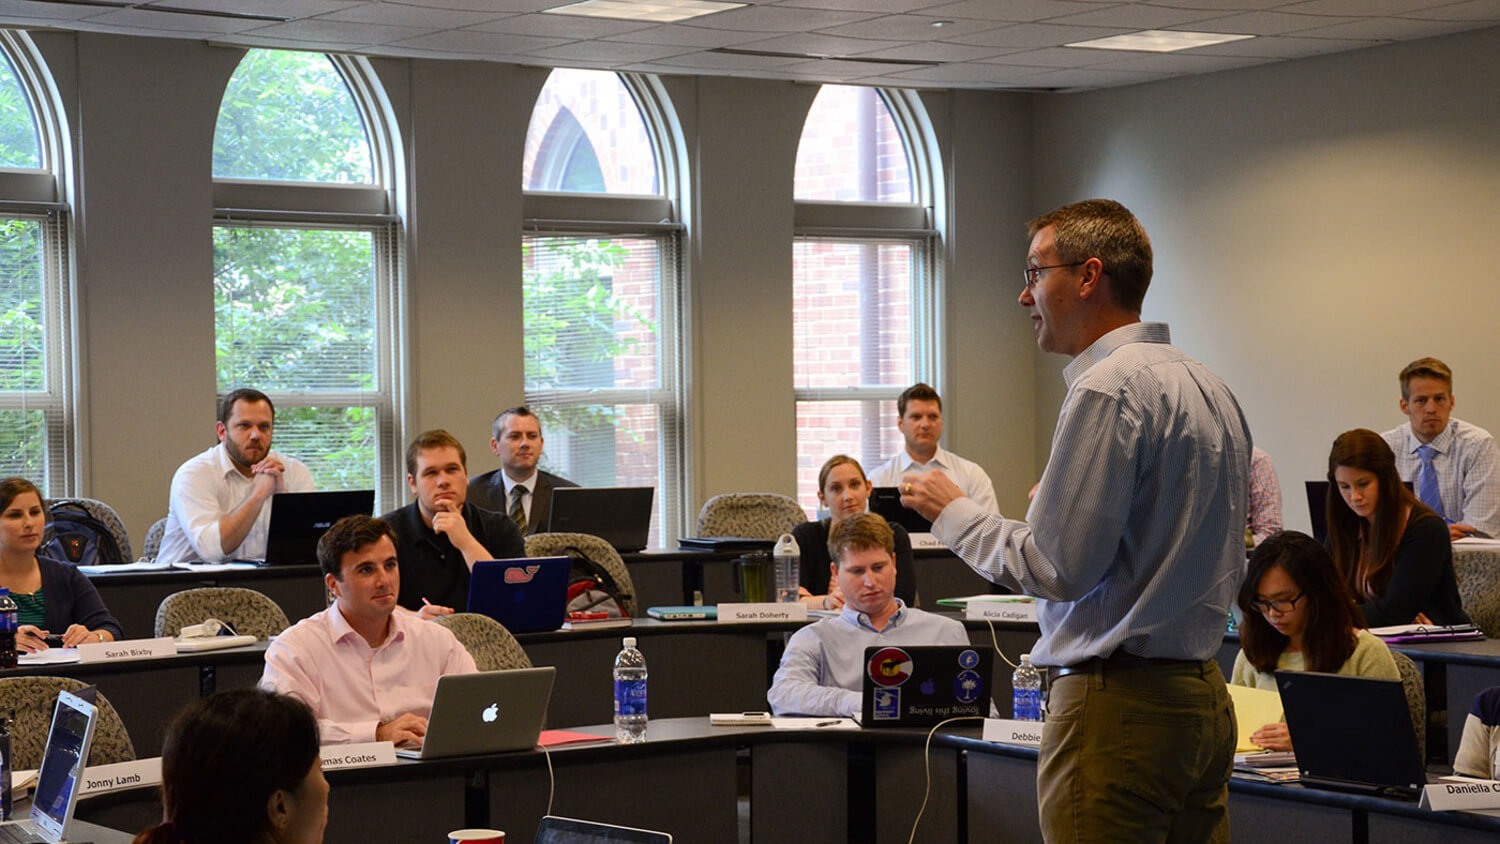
927, 764
995, 642
551, 779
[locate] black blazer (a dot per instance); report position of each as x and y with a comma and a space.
488, 491
70, 598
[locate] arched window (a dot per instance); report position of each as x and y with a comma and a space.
36, 398
307, 258
601, 285
863, 265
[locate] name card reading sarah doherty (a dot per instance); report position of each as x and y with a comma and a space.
999, 610
1006, 731
136, 774
1462, 794
127, 649
790, 611
365, 754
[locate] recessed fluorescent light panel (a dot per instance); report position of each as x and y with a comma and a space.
656, 11
1159, 41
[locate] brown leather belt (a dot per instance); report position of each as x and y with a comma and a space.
1117, 661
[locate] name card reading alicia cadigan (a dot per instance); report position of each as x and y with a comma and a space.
1000, 609
365, 754
789, 611
127, 649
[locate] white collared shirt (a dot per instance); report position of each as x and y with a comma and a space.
968, 475
205, 489
529, 483
1467, 464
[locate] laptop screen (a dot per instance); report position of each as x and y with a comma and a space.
62, 763
555, 830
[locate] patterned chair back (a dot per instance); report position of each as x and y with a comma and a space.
1416, 697
249, 612
601, 552
153, 539
757, 515
33, 699
492, 646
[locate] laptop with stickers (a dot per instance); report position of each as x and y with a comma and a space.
920, 685
61, 775
485, 712
527, 595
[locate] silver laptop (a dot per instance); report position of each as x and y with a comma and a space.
487, 712
555, 830
61, 775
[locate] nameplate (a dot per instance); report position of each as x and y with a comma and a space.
128, 649
365, 754
138, 774
1000, 611
790, 611
925, 540
1007, 731
1461, 795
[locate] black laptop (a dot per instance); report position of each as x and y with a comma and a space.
1352, 734
920, 685
886, 500
620, 515
298, 520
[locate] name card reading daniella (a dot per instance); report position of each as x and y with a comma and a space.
1461, 794
1006, 731
981, 610
127, 649
367, 754
136, 774
790, 611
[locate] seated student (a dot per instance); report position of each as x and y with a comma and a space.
518, 488
1392, 550
1479, 749
844, 490
1300, 616
822, 669
52, 596
240, 767
367, 669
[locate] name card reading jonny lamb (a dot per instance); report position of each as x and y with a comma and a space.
790, 611
367, 754
136, 774
994, 610
128, 649
1461, 794
1007, 731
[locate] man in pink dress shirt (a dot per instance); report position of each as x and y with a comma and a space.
367, 669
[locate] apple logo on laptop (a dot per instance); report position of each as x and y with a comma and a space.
490, 713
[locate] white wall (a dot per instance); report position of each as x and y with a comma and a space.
1317, 225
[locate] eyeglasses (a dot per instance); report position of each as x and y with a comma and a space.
1280, 607
1034, 274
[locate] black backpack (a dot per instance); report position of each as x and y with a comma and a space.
591, 588
74, 536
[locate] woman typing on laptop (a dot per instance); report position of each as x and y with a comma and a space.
53, 597
844, 491
1300, 616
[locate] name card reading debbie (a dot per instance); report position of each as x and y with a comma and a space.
1015, 609
1461, 793
127, 649
790, 611
137, 774
1006, 731
365, 754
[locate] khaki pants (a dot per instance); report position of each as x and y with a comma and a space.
1137, 755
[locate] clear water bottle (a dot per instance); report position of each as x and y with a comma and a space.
788, 569
630, 694
9, 621
1026, 691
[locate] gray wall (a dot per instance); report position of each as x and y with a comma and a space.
142, 112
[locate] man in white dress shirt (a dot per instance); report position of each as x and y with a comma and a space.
919, 418
218, 506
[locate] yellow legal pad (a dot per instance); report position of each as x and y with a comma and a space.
1253, 709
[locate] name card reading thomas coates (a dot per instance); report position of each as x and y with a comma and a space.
994, 610
790, 611
1461, 794
136, 774
127, 649
1006, 731
365, 754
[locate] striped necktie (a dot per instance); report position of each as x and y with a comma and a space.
1427, 484
517, 507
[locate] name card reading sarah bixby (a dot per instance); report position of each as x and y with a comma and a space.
127, 649
790, 611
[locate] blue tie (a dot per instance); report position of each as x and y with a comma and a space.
1427, 485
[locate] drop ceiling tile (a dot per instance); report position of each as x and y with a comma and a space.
277, 8
495, 6
1363, 8
692, 36
398, 14
174, 25
1387, 29
776, 19
835, 69
938, 52
969, 73
1054, 57
817, 45
1177, 63
912, 28
726, 61
1016, 11
467, 41
336, 32
1220, 5
561, 26
1284, 47
1261, 23
891, 7
1089, 78
1037, 35
30, 11
1136, 16
1487, 11
617, 52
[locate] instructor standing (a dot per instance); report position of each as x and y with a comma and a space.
1134, 542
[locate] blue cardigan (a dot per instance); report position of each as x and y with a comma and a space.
69, 598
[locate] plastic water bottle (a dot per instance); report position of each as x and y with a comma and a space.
788, 569
630, 694
9, 621
1026, 691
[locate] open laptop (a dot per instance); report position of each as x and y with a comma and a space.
61, 775
1352, 733
555, 830
920, 685
886, 500
619, 515
486, 712
526, 595
298, 520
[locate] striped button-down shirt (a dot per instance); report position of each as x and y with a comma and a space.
1468, 471
1135, 539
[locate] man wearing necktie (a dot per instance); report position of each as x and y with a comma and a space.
1453, 465
518, 488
